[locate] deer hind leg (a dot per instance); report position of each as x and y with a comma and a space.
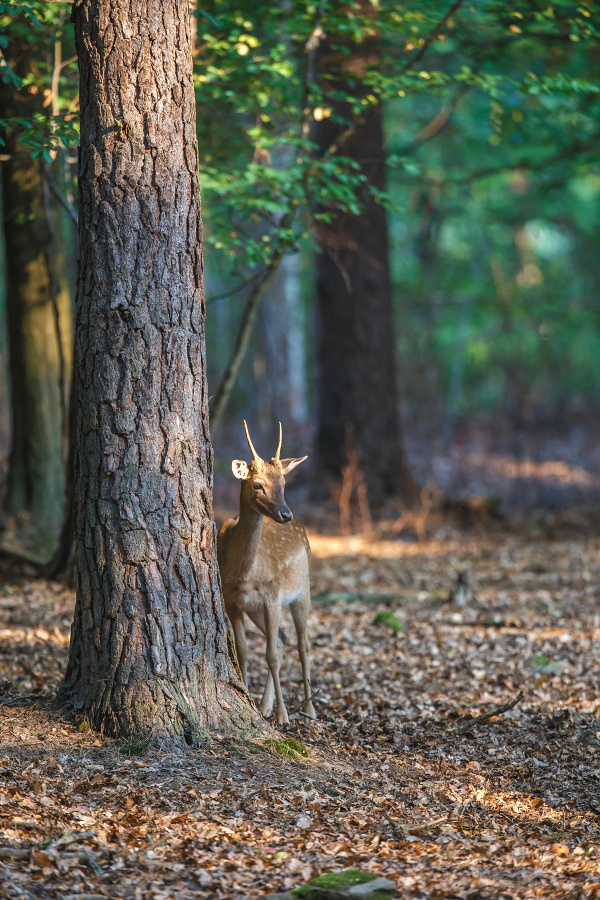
236, 617
300, 609
268, 697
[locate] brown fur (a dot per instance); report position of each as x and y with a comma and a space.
263, 557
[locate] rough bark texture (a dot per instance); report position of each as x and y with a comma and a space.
355, 331
39, 326
149, 645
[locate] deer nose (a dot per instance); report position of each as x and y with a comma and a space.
286, 514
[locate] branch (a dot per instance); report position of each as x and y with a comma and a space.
235, 290
532, 166
64, 202
335, 146
22, 556
241, 345
431, 38
471, 723
436, 125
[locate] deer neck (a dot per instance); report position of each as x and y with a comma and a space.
248, 533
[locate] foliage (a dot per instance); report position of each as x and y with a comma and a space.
39, 31
390, 620
492, 123
288, 747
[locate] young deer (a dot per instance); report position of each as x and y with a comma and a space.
263, 557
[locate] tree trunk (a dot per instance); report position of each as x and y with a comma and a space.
39, 328
282, 336
357, 393
149, 657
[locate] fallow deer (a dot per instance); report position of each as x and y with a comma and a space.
263, 557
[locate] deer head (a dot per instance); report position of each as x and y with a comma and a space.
263, 483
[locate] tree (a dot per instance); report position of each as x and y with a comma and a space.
39, 316
357, 392
149, 652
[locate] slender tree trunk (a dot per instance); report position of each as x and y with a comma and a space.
39, 328
357, 393
282, 336
149, 646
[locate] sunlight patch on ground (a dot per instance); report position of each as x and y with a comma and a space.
552, 471
324, 546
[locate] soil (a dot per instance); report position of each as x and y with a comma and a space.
388, 782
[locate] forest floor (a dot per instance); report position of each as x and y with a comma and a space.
509, 808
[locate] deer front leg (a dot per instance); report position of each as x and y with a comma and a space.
268, 697
236, 617
300, 610
271, 616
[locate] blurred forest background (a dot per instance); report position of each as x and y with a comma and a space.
401, 212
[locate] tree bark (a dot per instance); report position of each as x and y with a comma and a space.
39, 326
149, 656
357, 392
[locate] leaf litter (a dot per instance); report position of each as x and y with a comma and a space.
509, 808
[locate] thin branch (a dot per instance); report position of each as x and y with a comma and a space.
235, 290
436, 125
21, 556
241, 345
532, 166
64, 202
431, 38
471, 723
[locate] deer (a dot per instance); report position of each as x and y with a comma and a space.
263, 557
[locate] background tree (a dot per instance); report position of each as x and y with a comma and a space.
493, 295
149, 654
357, 386
37, 304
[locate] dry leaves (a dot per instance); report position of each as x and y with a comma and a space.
509, 809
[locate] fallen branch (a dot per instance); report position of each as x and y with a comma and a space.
71, 838
410, 827
12, 554
13, 853
471, 723
483, 623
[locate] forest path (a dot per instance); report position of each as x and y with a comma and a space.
508, 809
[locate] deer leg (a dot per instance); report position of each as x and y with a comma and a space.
268, 697
300, 609
236, 617
271, 615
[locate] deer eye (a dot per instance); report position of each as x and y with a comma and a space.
258, 486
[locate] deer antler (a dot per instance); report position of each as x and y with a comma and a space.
253, 451
278, 451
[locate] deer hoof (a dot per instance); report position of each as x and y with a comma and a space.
282, 717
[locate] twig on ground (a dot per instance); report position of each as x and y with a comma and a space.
13, 853
484, 623
71, 838
408, 827
471, 723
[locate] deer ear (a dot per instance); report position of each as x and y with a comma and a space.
288, 464
240, 469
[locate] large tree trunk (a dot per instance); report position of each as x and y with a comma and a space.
149, 647
39, 327
358, 402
